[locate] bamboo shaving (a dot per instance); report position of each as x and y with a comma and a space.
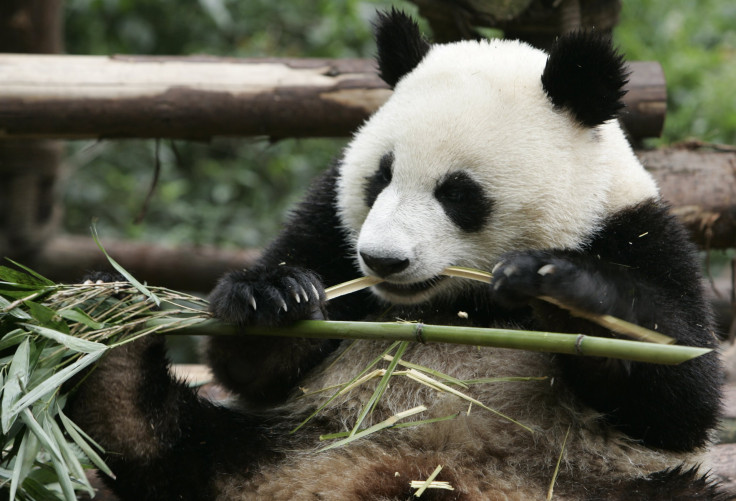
351, 286
615, 324
423, 486
435, 484
469, 273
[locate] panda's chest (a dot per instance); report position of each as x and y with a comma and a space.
446, 379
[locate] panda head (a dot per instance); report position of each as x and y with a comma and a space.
484, 147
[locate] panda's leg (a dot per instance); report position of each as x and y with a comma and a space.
160, 439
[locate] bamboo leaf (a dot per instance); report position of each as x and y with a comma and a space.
59, 461
37, 491
347, 385
377, 427
433, 383
19, 277
382, 385
35, 427
40, 278
76, 434
17, 475
30, 447
12, 390
54, 382
71, 461
551, 489
12, 338
73, 343
427, 370
46, 316
13, 309
130, 278
77, 315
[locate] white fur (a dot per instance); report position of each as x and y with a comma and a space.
480, 107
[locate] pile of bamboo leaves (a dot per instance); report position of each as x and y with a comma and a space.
50, 333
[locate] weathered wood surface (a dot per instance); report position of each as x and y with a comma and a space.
700, 184
201, 97
193, 268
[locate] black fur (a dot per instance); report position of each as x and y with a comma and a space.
640, 258
378, 182
585, 75
675, 484
400, 45
464, 201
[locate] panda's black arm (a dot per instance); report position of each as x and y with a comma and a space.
286, 285
642, 268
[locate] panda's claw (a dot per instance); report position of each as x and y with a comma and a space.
253, 303
547, 269
300, 294
314, 290
280, 301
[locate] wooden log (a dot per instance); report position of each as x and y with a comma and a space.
70, 258
201, 97
700, 184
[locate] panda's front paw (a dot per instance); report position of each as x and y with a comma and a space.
522, 276
268, 296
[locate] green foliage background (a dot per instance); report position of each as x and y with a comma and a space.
235, 192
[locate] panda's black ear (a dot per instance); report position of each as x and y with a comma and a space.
400, 45
585, 75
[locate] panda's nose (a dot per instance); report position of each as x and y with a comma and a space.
384, 266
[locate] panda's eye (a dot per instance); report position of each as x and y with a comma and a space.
378, 181
464, 201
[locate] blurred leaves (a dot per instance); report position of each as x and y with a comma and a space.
50, 333
696, 44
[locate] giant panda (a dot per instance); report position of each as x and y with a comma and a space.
492, 155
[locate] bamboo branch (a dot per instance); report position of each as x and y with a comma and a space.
570, 344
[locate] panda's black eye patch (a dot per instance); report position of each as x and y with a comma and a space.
464, 201
378, 181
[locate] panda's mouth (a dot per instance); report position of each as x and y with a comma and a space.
411, 289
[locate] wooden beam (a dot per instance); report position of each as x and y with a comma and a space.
202, 97
69, 258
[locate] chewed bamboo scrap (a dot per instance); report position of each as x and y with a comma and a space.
430, 483
351, 286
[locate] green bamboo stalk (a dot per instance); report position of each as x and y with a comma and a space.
571, 344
